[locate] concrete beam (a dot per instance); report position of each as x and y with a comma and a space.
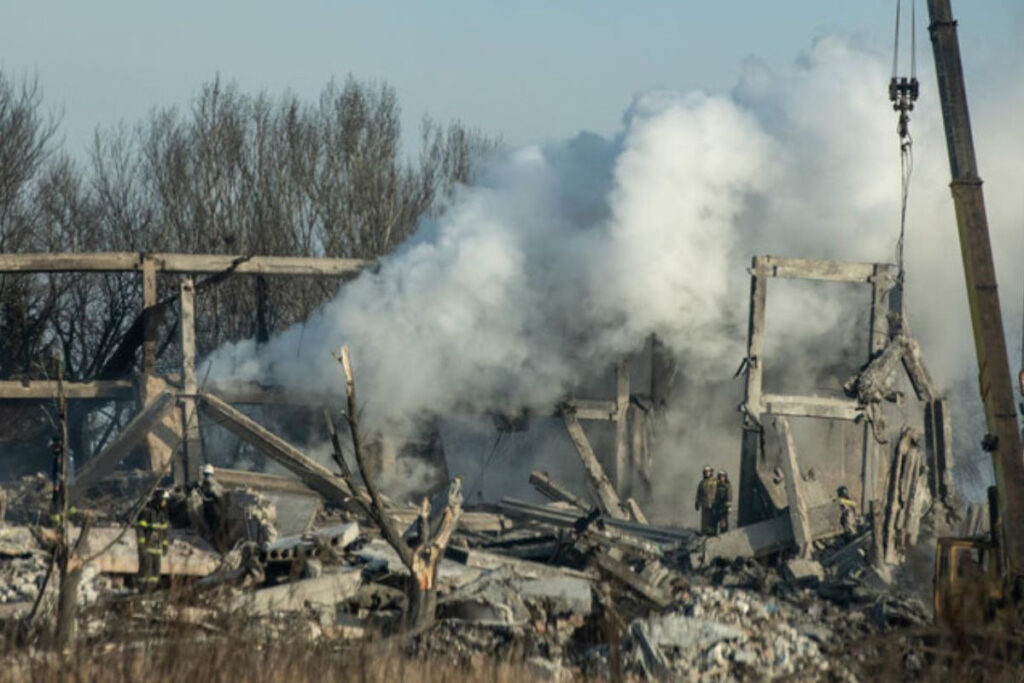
261, 482
46, 390
314, 475
607, 498
99, 466
108, 262
325, 591
585, 409
794, 489
813, 269
810, 406
772, 535
187, 554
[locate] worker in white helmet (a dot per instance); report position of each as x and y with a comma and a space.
213, 503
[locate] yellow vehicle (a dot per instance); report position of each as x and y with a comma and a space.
968, 580
979, 577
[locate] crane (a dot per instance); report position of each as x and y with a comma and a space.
1002, 440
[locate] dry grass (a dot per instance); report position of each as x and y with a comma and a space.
211, 661
178, 641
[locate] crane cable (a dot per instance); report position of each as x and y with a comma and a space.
903, 92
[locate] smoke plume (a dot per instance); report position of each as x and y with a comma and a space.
565, 256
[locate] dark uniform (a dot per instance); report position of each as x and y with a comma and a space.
706, 502
151, 535
723, 503
214, 514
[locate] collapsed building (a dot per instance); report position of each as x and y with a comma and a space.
308, 537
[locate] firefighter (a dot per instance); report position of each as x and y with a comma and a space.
151, 535
706, 501
723, 503
213, 505
847, 512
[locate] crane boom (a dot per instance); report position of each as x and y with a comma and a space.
979, 272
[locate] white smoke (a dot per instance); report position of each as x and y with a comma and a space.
568, 255
518, 291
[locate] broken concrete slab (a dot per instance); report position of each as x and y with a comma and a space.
764, 538
379, 555
562, 595
17, 541
328, 539
803, 571
503, 597
113, 551
326, 591
683, 633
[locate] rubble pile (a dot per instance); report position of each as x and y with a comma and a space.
563, 590
729, 633
21, 577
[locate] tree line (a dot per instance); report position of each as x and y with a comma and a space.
233, 173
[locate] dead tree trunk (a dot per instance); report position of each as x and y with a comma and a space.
423, 544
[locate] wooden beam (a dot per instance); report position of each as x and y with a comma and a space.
798, 518
811, 406
45, 390
179, 263
314, 475
101, 465
812, 269
607, 499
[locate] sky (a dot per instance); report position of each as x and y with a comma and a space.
530, 71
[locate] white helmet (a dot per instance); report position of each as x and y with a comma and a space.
207, 470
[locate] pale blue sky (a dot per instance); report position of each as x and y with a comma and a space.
528, 70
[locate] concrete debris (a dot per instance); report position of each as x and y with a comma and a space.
802, 571
502, 596
720, 634
551, 582
326, 591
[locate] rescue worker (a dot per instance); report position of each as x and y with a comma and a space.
151, 536
213, 504
847, 512
706, 501
723, 503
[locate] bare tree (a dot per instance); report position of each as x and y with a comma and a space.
423, 545
230, 173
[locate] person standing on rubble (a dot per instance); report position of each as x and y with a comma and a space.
151, 535
706, 501
848, 516
723, 503
213, 503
